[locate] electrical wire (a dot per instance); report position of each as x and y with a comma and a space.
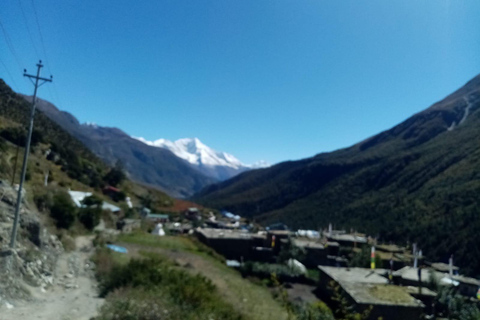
41, 35
10, 45
28, 29
9, 74
47, 61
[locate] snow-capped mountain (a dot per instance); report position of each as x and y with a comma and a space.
220, 165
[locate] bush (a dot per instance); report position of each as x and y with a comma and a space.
146, 284
63, 210
118, 196
43, 202
290, 251
265, 271
115, 176
315, 311
90, 216
93, 200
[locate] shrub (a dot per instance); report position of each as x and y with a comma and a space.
93, 200
90, 216
315, 311
43, 202
141, 286
115, 176
63, 210
265, 270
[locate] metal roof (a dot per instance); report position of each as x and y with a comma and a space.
357, 275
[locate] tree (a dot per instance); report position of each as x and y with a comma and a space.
93, 200
290, 251
89, 215
116, 175
63, 210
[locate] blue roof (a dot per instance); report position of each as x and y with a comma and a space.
117, 248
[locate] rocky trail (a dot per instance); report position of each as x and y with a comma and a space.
72, 296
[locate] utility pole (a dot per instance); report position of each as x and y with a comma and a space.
27, 147
15, 166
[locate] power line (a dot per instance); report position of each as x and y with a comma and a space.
10, 45
28, 29
57, 97
41, 35
9, 74
47, 61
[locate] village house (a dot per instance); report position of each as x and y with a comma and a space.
193, 214
400, 256
233, 244
154, 217
78, 196
409, 276
316, 252
365, 289
128, 225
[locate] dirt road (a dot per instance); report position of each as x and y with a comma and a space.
73, 295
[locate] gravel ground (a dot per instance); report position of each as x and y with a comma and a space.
73, 295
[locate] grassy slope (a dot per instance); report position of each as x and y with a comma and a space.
253, 301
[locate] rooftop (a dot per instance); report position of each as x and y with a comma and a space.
415, 291
348, 237
411, 273
157, 216
390, 248
211, 233
109, 206
78, 196
380, 294
443, 267
467, 280
355, 275
316, 244
280, 232
304, 243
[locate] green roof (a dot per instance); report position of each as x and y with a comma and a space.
157, 216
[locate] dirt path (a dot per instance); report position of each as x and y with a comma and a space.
73, 295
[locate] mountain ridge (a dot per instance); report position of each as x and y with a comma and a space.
416, 181
148, 165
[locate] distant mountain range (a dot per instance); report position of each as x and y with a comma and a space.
418, 181
179, 168
219, 165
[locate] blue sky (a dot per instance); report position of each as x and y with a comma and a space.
273, 80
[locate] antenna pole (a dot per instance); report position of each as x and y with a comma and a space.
27, 148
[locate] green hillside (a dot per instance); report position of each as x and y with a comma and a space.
71, 164
76, 159
417, 182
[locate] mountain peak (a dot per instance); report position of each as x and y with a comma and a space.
202, 156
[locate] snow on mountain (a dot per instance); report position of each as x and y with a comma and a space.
221, 165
